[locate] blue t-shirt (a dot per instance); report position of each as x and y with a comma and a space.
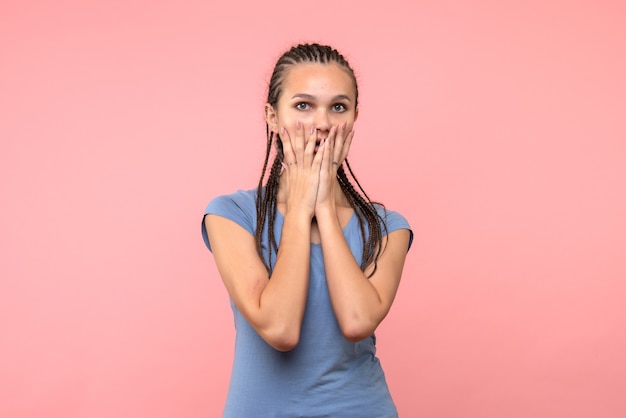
325, 375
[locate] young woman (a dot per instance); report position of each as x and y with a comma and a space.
310, 263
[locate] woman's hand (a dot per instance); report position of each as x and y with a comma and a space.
301, 168
334, 153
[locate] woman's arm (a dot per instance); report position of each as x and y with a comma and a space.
275, 307
359, 303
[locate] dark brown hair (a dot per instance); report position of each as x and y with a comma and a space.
266, 194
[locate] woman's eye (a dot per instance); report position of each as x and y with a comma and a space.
339, 107
302, 106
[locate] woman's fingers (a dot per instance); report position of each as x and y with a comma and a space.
339, 141
343, 140
309, 150
299, 147
297, 142
325, 156
289, 156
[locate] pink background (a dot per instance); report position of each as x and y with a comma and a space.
497, 128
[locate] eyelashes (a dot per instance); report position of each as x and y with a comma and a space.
337, 107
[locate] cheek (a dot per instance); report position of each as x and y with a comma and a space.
290, 123
349, 125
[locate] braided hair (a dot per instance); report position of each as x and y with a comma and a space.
266, 193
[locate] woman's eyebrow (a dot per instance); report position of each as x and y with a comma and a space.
306, 96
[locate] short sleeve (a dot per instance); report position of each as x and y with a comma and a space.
395, 221
239, 207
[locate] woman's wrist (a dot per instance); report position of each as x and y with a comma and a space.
326, 216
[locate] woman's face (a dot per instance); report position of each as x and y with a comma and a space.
318, 95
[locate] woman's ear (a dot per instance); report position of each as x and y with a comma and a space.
356, 114
270, 118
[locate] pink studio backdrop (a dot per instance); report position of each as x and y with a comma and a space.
496, 128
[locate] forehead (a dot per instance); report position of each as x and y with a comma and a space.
318, 79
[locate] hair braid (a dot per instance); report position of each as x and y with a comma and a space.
260, 209
365, 208
266, 201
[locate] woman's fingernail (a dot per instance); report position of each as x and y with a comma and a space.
312, 130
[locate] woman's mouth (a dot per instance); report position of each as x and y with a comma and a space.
318, 143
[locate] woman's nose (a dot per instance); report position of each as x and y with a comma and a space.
322, 120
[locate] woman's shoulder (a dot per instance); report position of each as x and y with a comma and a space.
389, 214
239, 207
242, 199
393, 220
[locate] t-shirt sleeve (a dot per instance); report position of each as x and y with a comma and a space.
239, 207
396, 221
